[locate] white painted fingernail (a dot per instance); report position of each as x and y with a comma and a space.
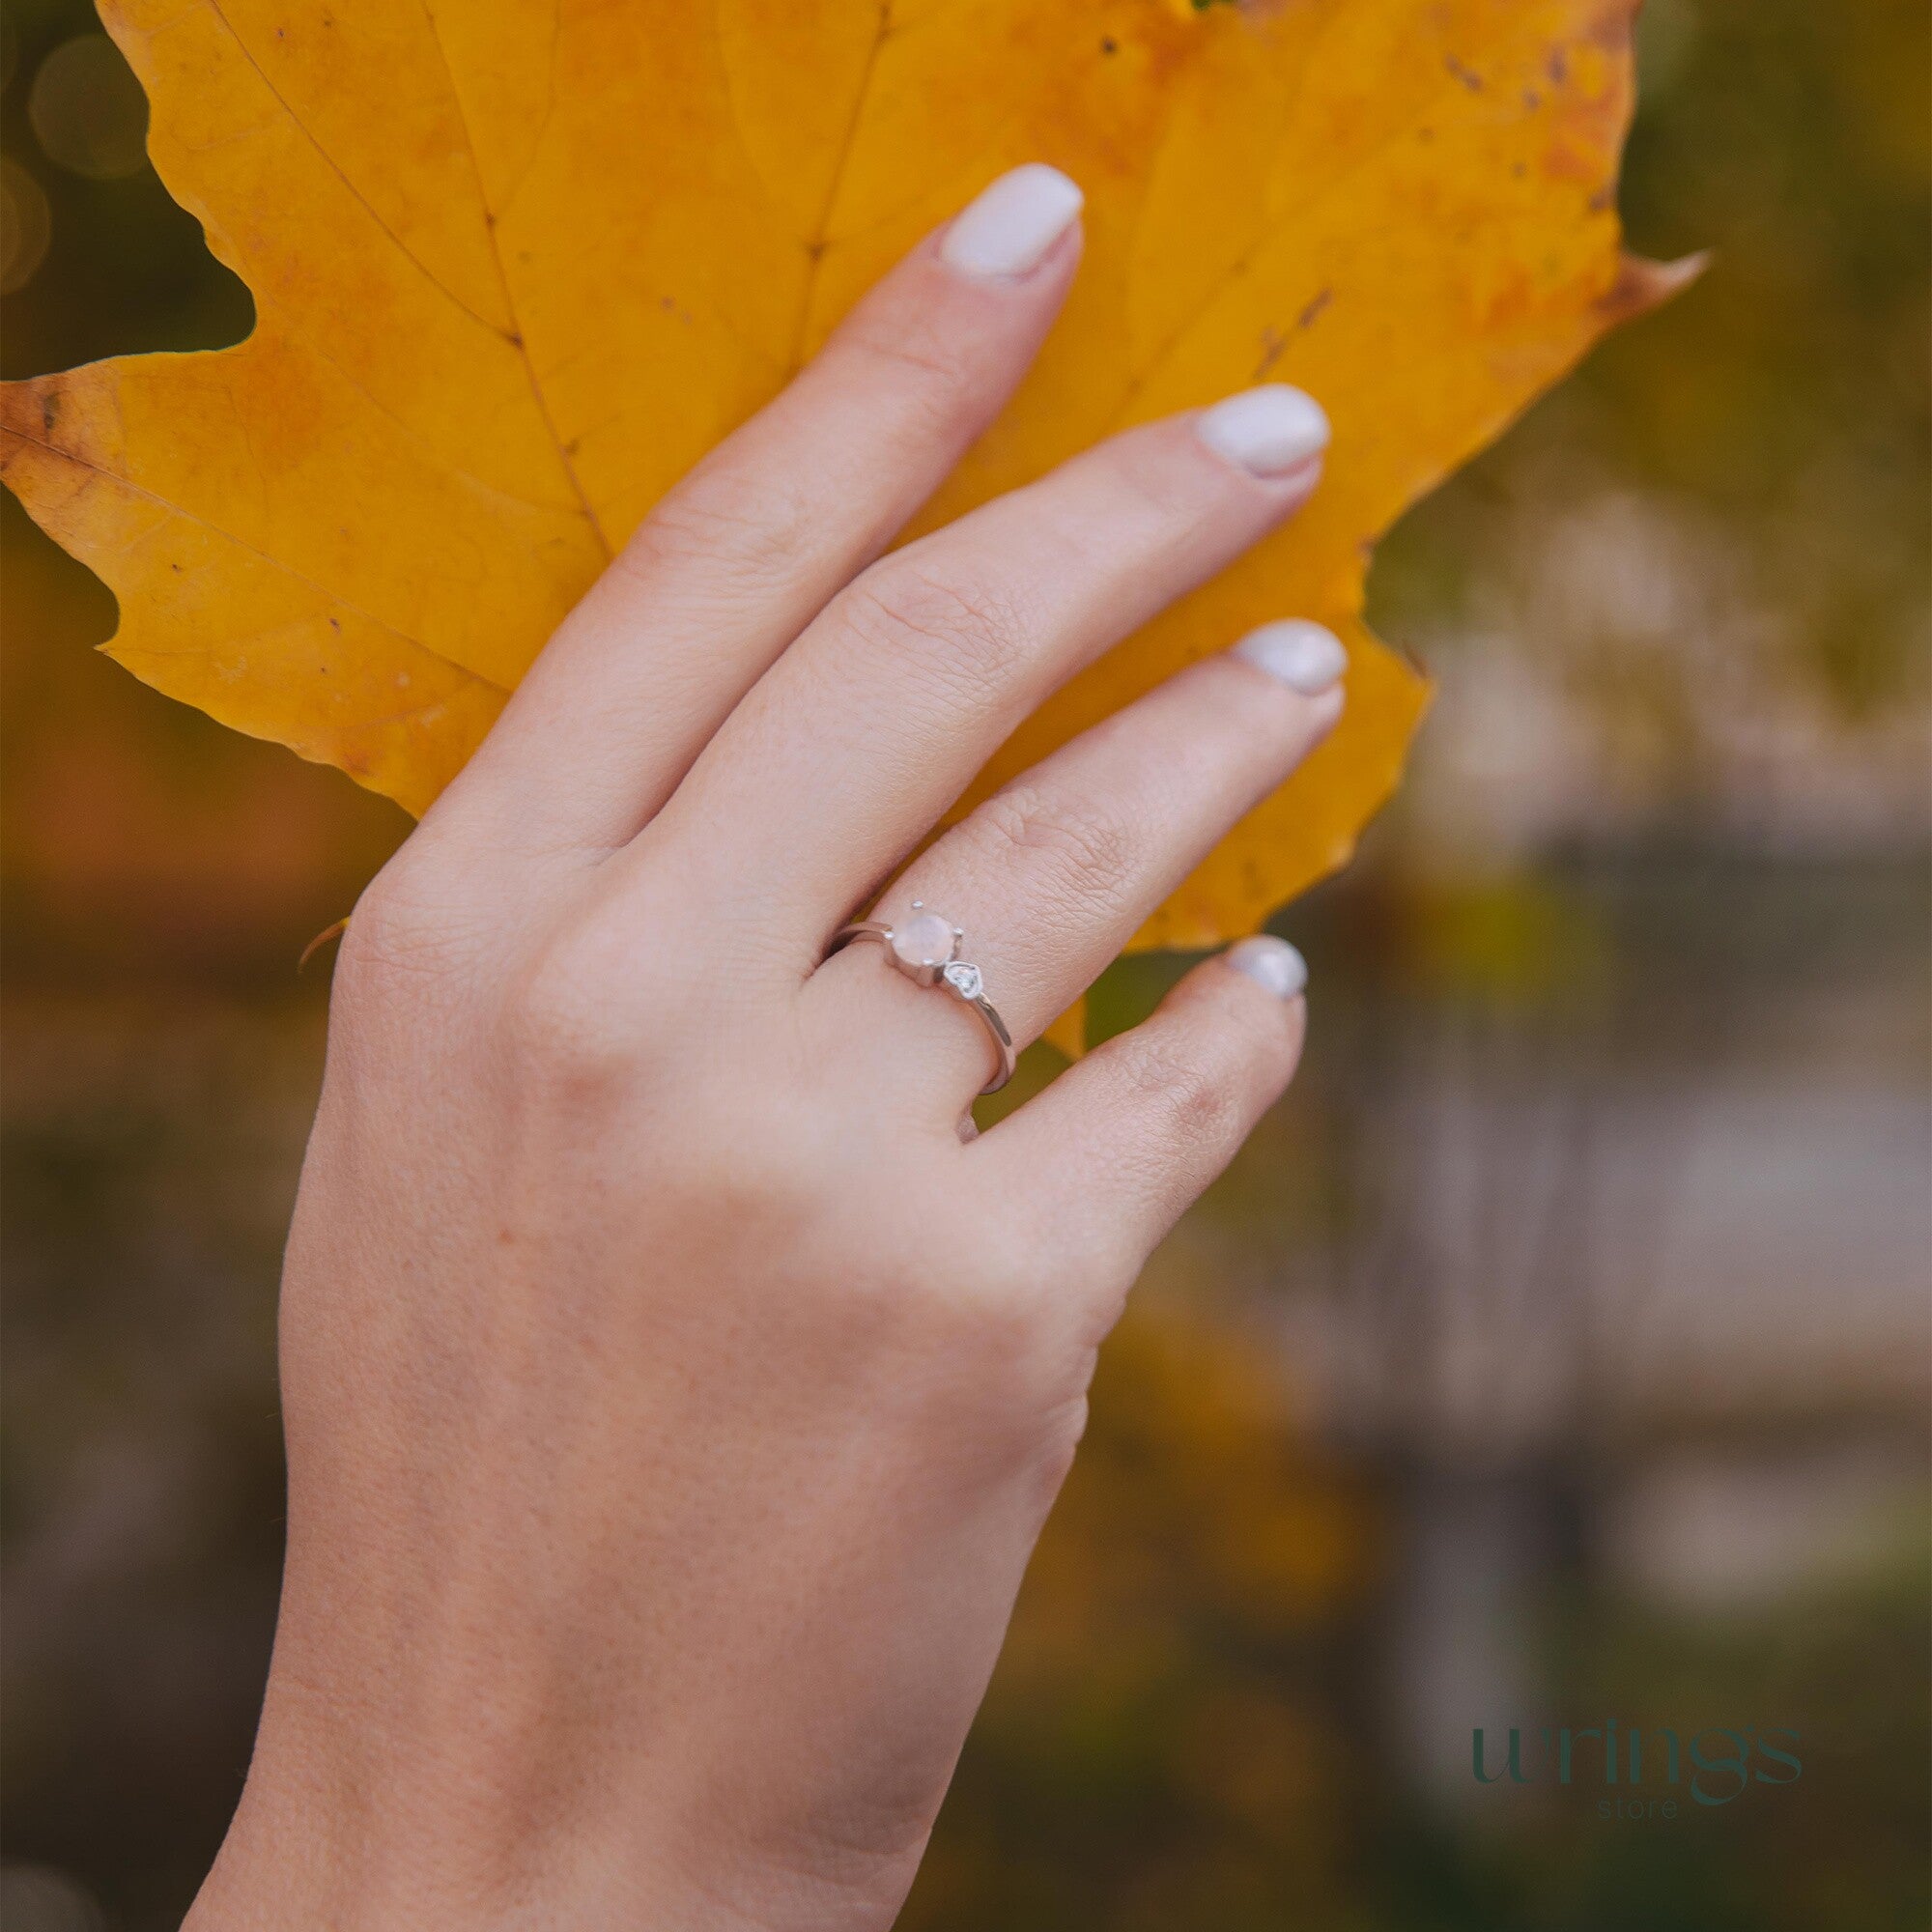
1267, 431
1269, 962
1305, 657
1011, 228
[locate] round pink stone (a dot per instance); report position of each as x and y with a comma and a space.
922, 940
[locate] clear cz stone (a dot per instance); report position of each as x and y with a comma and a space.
964, 980
923, 940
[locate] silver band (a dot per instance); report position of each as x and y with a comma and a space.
932, 959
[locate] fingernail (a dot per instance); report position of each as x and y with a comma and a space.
1009, 230
1267, 431
1269, 962
1305, 657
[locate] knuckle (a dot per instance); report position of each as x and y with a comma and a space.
561, 1024
771, 1198
1261, 1043
1003, 1357
1015, 1319
1088, 851
1166, 494
1192, 1095
967, 631
975, 1300
762, 534
403, 931
917, 355
383, 938
1007, 1309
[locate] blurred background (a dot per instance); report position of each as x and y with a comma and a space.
1557, 1353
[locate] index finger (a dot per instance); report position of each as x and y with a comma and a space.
746, 550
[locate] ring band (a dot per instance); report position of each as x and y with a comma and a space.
925, 949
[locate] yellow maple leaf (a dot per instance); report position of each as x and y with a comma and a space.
518, 263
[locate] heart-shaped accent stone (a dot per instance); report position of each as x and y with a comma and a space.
963, 978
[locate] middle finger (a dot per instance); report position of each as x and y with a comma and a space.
856, 741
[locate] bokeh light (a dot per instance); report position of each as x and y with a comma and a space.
88, 112
26, 226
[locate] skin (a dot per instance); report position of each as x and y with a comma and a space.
674, 1393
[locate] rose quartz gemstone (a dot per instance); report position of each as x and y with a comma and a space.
922, 940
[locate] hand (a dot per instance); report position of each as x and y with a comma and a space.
675, 1389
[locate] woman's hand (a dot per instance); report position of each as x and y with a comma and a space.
675, 1389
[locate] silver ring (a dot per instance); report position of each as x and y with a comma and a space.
926, 950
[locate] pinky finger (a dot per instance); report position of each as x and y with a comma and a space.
1115, 1151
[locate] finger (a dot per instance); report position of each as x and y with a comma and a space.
741, 555
1052, 876
1112, 1153
881, 714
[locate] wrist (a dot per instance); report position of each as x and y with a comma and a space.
331, 1831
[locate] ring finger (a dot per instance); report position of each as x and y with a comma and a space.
1052, 876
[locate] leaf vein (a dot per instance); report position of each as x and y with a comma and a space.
1455, 92
815, 244
241, 544
336, 168
503, 282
